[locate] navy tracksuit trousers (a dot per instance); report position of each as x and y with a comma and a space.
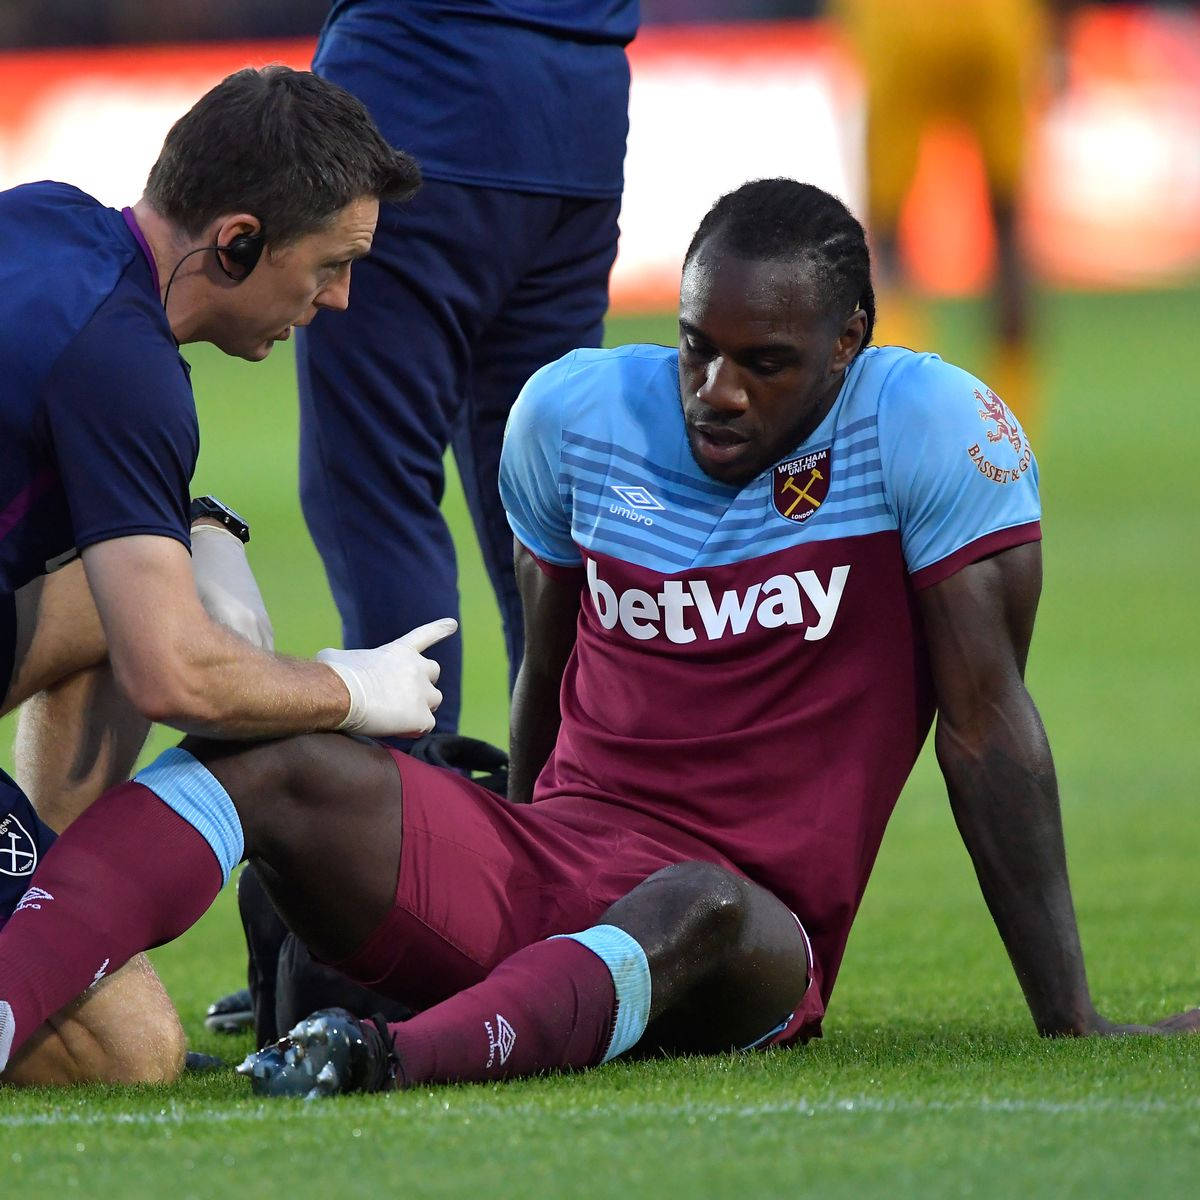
467, 291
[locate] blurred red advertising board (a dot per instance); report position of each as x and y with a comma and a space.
1112, 196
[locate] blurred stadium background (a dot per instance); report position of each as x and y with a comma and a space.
1111, 202
724, 91
1112, 196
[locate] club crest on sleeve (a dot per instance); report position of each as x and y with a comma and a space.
18, 850
800, 485
993, 411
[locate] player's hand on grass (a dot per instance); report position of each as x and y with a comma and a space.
227, 587
392, 692
1184, 1022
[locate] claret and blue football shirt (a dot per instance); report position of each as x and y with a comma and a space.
749, 664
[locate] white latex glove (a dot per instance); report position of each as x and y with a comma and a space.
391, 687
227, 586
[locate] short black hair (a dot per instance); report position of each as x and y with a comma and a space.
286, 146
783, 220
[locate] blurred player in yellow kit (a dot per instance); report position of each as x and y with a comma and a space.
976, 62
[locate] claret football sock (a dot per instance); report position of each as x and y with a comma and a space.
129, 874
565, 1003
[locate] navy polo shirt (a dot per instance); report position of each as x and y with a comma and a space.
98, 430
521, 95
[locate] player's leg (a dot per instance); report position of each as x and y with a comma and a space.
694, 959
714, 961
481, 890
321, 816
58, 635
729, 962
144, 862
78, 735
123, 1029
558, 305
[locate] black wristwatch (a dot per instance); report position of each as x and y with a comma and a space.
210, 506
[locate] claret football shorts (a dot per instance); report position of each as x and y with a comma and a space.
480, 878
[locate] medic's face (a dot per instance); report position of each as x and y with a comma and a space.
291, 284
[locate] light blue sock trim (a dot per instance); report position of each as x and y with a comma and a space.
183, 783
8, 1030
626, 962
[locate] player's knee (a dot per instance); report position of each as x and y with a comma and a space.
150, 1048
156, 1055
711, 902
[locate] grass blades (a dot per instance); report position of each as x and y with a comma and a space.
929, 1081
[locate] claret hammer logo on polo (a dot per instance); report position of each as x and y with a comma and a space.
687, 609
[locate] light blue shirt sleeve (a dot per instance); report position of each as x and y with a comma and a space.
957, 465
533, 489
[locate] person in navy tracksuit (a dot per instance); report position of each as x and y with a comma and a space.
516, 111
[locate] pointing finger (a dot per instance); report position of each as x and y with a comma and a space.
425, 636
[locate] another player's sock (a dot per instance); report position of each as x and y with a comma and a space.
569, 1002
132, 872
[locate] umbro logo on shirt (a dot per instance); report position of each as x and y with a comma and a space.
637, 497
637, 501
33, 898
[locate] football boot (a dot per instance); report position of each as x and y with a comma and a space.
230, 1014
328, 1053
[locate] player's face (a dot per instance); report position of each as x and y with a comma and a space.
290, 285
760, 361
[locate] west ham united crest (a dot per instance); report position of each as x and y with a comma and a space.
801, 485
18, 851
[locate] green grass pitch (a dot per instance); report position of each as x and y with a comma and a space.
930, 1081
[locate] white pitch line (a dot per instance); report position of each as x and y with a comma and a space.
463, 1108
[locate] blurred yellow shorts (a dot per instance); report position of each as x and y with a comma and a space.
973, 61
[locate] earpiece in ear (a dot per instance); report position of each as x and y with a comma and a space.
243, 251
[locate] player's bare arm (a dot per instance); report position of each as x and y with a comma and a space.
996, 760
551, 608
